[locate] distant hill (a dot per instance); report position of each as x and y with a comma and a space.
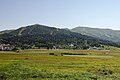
41, 36
6, 31
104, 34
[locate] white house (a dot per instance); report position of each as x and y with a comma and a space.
6, 47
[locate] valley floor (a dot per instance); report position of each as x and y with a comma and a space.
41, 64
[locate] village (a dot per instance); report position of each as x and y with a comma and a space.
6, 47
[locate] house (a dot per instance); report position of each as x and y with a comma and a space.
6, 47
71, 45
95, 48
54, 47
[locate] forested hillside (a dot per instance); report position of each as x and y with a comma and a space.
44, 36
104, 34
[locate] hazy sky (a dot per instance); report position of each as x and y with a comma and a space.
60, 13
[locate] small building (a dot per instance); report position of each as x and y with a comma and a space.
71, 45
54, 47
6, 47
95, 48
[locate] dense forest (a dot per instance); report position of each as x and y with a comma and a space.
38, 36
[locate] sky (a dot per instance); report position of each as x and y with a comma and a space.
60, 13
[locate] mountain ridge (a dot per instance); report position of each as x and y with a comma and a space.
41, 35
105, 34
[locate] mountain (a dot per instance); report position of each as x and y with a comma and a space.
42, 36
104, 34
6, 31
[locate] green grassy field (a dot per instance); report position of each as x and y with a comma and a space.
39, 65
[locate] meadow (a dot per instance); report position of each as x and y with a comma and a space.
42, 64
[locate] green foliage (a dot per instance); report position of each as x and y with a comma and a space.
44, 36
42, 64
104, 34
18, 71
